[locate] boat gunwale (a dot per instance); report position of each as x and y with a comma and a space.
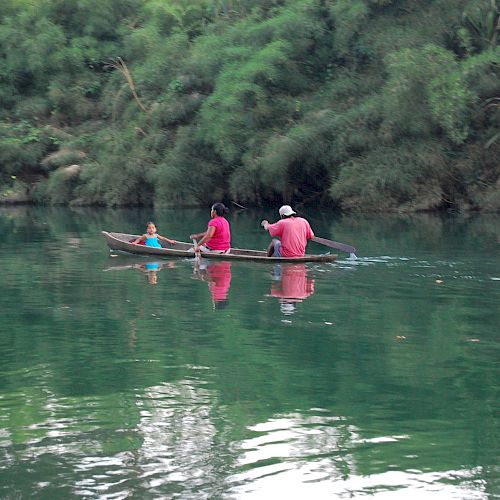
115, 243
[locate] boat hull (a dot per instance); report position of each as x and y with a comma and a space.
121, 242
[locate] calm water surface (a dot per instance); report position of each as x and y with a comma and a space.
124, 377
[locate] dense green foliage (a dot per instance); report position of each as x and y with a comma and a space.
358, 104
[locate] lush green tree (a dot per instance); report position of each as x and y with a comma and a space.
260, 101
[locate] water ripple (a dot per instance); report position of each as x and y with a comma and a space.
298, 456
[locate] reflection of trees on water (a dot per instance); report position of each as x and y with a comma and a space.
376, 234
291, 439
177, 438
177, 452
82, 417
318, 456
161, 441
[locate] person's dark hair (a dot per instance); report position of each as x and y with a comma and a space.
220, 209
220, 304
151, 222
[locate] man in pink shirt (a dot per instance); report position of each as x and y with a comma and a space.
293, 232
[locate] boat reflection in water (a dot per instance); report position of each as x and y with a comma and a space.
291, 284
218, 276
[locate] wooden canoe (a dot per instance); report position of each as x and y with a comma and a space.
121, 242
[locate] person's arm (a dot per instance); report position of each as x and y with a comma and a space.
141, 238
275, 229
163, 238
208, 235
310, 232
197, 236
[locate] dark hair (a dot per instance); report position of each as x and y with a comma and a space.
220, 209
220, 304
151, 222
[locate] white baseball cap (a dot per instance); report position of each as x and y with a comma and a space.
286, 210
287, 308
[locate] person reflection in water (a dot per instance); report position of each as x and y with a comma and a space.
291, 284
151, 270
218, 276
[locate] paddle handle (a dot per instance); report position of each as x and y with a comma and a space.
196, 254
333, 244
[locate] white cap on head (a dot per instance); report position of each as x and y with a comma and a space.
287, 308
286, 210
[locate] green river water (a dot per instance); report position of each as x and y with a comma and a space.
123, 377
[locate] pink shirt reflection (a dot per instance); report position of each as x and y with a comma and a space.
294, 285
219, 276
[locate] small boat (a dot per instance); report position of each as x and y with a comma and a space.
122, 242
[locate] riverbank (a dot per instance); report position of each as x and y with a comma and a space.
24, 198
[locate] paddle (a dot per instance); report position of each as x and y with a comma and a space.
333, 244
197, 255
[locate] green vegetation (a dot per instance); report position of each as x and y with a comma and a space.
357, 104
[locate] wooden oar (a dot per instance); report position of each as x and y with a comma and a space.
333, 244
197, 255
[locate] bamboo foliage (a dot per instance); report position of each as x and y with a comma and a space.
358, 104
494, 102
483, 22
119, 64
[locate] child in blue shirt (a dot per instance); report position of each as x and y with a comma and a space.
151, 238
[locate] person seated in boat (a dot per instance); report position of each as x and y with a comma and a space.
150, 239
217, 237
293, 232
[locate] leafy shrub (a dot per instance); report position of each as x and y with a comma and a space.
63, 157
405, 178
61, 184
425, 90
365, 104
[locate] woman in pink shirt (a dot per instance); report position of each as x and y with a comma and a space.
293, 233
217, 237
